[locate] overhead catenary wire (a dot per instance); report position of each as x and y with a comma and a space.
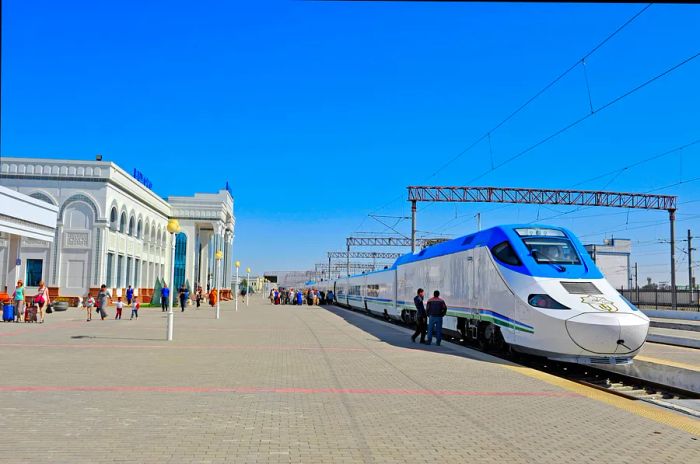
540, 92
521, 107
578, 121
616, 172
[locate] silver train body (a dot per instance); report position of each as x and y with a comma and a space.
533, 289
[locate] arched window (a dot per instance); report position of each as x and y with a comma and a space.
122, 223
113, 218
131, 226
180, 260
139, 229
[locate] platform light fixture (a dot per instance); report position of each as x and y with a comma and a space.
219, 256
235, 296
173, 229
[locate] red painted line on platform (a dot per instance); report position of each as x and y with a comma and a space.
199, 347
292, 390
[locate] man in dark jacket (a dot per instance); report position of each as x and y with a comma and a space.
421, 317
437, 308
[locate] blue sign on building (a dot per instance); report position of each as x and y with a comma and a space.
138, 175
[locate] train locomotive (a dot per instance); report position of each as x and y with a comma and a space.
532, 289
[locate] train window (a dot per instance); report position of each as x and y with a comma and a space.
551, 250
373, 290
505, 253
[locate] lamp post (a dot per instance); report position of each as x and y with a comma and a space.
218, 255
235, 294
173, 229
247, 285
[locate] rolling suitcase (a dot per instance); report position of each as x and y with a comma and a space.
8, 313
30, 314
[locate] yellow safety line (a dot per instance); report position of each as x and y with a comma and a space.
666, 362
672, 419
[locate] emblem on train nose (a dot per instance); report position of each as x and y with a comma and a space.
599, 303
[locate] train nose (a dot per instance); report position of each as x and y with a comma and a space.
608, 333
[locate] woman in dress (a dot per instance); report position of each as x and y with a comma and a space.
42, 300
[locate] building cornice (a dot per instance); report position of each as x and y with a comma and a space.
82, 171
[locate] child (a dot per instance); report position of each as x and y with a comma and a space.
120, 305
135, 308
89, 304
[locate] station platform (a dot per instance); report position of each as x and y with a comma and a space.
289, 384
674, 330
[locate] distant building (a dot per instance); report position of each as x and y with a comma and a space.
111, 229
288, 278
613, 259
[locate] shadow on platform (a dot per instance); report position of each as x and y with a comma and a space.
393, 335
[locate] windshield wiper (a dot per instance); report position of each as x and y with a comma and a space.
558, 267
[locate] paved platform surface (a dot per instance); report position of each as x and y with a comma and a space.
678, 324
685, 338
303, 385
660, 353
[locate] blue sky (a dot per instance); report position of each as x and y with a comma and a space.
320, 113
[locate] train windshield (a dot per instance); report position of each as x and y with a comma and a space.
549, 246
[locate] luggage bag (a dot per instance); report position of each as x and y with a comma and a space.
30, 314
8, 313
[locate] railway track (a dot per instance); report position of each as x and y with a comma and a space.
611, 382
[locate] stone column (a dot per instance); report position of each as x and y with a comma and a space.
13, 270
101, 235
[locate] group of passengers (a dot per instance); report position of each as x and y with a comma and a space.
429, 316
310, 296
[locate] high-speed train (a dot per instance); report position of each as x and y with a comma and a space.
531, 288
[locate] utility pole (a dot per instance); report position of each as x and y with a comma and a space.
636, 281
690, 265
413, 226
674, 295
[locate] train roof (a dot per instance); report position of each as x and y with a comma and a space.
495, 235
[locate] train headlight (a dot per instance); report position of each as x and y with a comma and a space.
545, 301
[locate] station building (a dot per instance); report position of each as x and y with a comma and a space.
112, 229
21, 218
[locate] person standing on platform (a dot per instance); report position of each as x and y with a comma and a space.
129, 295
421, 317
164, 294
182, 294
18, 297
102, 301
437, 309
42, 300
198, 296
89, 304
135, 308
120, 307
